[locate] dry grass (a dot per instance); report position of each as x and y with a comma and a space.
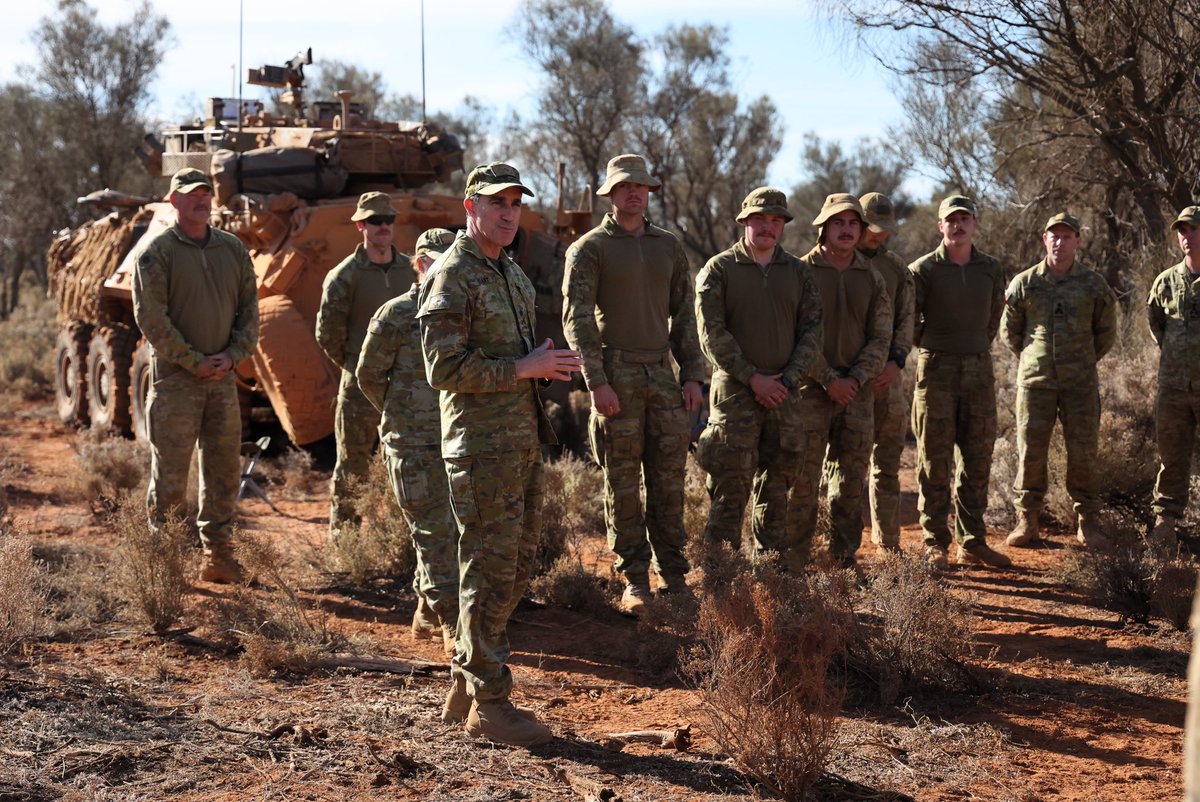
572, 511
26, 349
154, 564
22, 593
291, 476
81, 590
762, 670
110, 468
381, 546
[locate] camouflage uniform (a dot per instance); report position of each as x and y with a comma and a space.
1173, 309
391, 375
958, 310
192, 301
1059, 326
477, 319
754, 319
892, 405
628, 307
351, 294
858, 332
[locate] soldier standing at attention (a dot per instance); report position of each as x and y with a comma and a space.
891, 402
1174, 313
628, 307
1060, 318
391, 374
477, 323
196, 301
375, 273
837, 401
959, 300
759, 314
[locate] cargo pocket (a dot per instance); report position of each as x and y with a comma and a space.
462, 492
615, 438
416, 485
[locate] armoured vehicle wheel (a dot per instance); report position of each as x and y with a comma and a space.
139, 391
70, 367
108, 363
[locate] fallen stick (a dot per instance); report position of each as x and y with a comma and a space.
382, 665
678, 739
589, 790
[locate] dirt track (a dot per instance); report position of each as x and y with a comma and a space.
1077, 705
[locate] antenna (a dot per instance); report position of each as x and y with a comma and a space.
423, 61
241, 27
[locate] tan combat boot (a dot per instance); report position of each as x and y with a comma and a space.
425, 622
637, 593
936, 557
1089, 533
982, 554
500, 722
458, 702
674, 584
1027, 532
221, 568
448, 638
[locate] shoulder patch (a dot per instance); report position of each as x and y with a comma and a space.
376, 326
442, 302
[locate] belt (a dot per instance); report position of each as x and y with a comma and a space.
638, 357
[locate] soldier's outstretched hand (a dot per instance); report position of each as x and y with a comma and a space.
548, 362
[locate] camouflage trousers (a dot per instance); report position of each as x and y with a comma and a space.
497, 502
1176, 415
750, 451
356, 427
1079, 410
418, 478
648, 441
891, 427
840, 439
186, 413
954, 419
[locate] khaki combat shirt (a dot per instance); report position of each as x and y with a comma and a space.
391, 374
1059, 325
477, 320
857, 320
192, 300
1173, 310
351, 294
631, 293
759, 319
958, 307
899, 281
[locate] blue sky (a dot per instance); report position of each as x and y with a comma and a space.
815, 73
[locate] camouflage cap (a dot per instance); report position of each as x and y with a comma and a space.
765, 200
627, 167
189, 179
434, 241
1063, 219
955, 203
1190, 215
488, 179
878, 212
836, 204
373, 204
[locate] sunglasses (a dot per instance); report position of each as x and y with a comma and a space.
380, 220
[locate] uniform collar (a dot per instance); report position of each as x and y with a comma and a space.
817, 259
742, 254
361, 258
611, 227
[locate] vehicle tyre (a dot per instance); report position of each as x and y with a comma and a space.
70, 372
139, 391
108, 367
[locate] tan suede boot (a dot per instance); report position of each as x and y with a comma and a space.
1090, 533
637, 593
221, 568
1027, 532
500, 722
425, 622
983, 554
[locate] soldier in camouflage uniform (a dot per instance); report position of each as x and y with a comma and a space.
1174, 313
196, 302
759, 314
477, 333
837, 401
627, 308
959, 297
1060, 318
891, 402
375, 273
391, 374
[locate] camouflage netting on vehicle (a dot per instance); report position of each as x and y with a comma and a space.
80, 260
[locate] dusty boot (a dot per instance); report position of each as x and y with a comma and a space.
458, 702
936, 557
674, 584
1162, 536
425, 622
981, 553
448, 638
637, 593
221, 568
502, 723
1089, 532
1027, 532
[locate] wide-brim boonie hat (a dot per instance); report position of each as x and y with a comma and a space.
373, 204
836, 204
627, 167
765, 200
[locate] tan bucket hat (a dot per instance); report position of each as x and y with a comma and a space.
373, 204
878, 212
836, 204
765, 200
627, 167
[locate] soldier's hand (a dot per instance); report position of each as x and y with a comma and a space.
890, 372
605, 400
842, 391
768, 390
548, 362
221, 363
692, 397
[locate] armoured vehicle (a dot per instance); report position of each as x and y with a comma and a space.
286, 186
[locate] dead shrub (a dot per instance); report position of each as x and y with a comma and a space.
81, 590
380, 546
22, 593
154, 564
761, 665
26, 349
695, 500
571, 586
291, 475
666, 627
109, 468
911, 630
573, 509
